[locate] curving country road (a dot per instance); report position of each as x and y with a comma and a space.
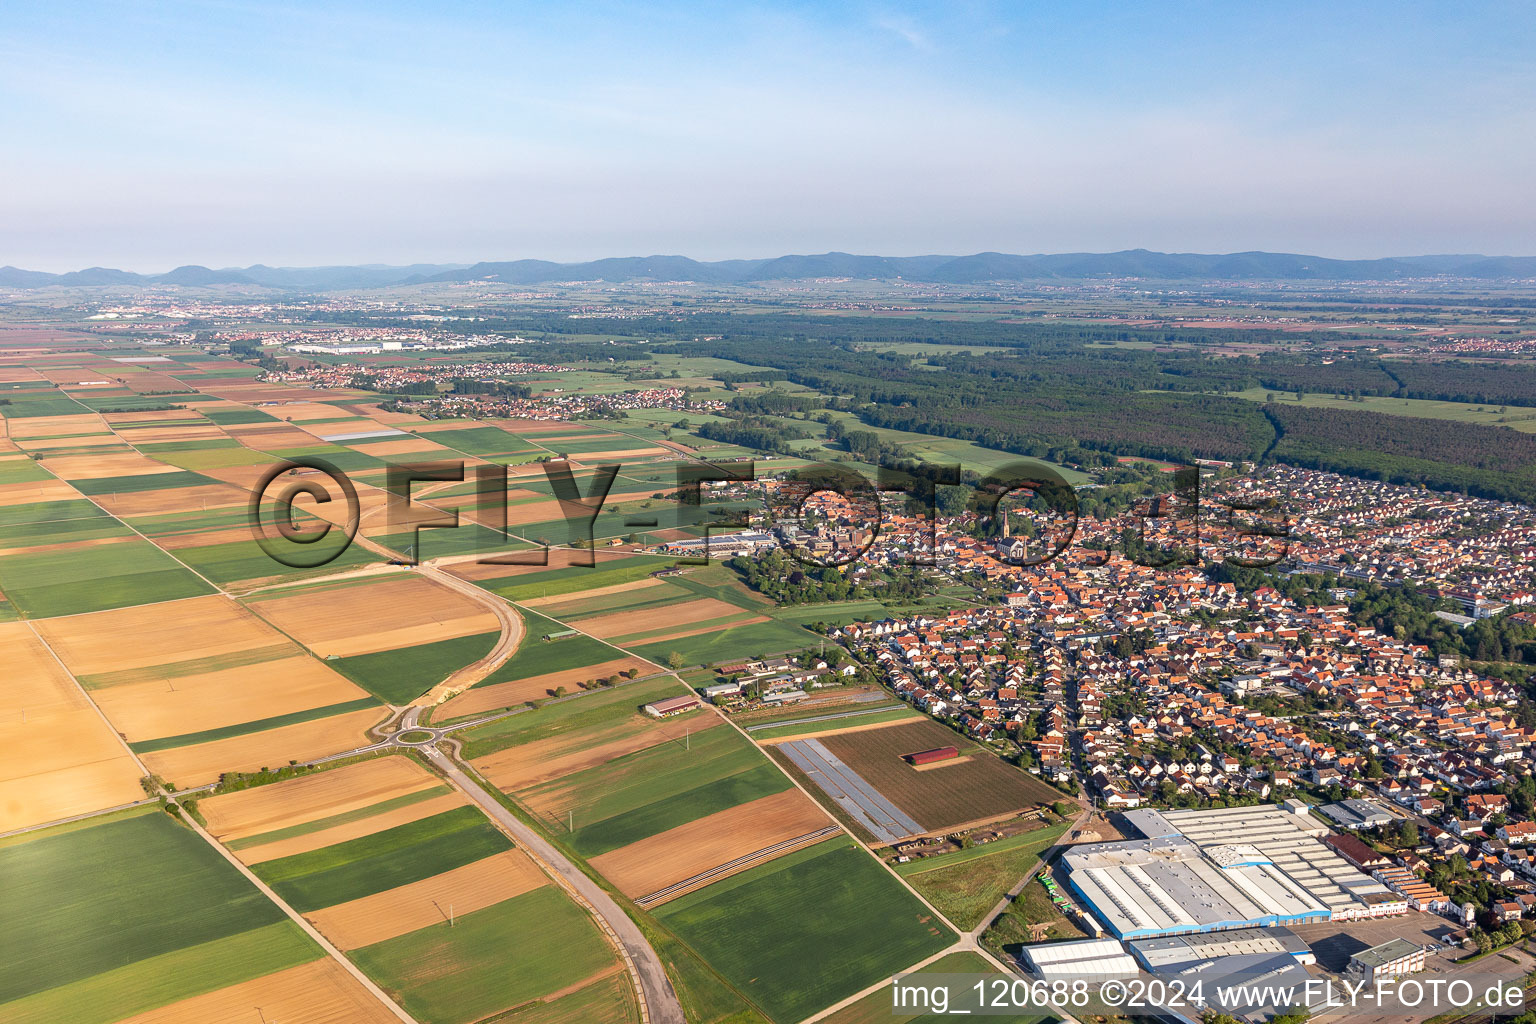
660, 1003
511, 636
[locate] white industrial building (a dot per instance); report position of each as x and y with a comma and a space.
1090, 958
1216, 870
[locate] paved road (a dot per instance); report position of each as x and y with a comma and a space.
661, 1002
511, 636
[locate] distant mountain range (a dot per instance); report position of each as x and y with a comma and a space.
981, 268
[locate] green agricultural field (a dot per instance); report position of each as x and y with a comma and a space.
731, 643
170, 977
574, 579
494, 959
143, 482
50, 511
876, 1008
536, 656
49, 583
968, 884
483, 441
85, 901
50, 403
808, 929
383, 860
594, 711
246, 728
344, 818
578, 607
872, 718
609, 1000
399, 675
68, 531
236, 417
1488, 414
467, 538
22, 471
241, 560
660, 787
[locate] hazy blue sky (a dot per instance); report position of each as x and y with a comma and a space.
148, 135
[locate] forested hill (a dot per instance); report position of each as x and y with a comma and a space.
978, 268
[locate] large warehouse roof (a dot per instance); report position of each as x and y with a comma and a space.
1095, 957
1215, 869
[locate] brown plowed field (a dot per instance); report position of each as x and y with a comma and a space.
509, 694
425, 903
252, 812
319, 992
529, 763
640, 620
393, 612
981, 787
202, 764
658, 861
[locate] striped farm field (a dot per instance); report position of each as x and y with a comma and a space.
507, 955
435, 905
808, 929
512, 692
205, 679
129, 914
43, 584
396, 636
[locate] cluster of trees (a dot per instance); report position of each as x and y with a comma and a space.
497, 388
787, 581
758, 432
1408, 614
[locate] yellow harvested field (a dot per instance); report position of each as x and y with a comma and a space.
191, 432
147, 635
57, 757
516, 691
425, 903
156, 708
352, 830
622, 623
177, 499
95, 467
679, 853
390, 613
203, 763
251, 812
319, 992
406, 446
55, 426
584, 595
34, 491
529, 763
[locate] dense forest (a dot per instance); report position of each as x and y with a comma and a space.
1490, 462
